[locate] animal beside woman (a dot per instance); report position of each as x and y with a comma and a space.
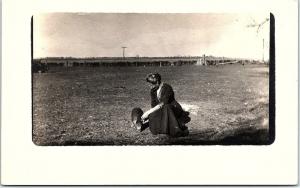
136, 119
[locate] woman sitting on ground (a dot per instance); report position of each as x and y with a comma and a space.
166, 116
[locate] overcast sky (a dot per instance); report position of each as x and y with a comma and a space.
103, 34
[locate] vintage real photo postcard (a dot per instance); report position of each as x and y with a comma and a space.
139, 92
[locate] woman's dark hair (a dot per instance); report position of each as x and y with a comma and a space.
154, 78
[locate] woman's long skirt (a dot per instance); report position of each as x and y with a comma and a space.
168, 120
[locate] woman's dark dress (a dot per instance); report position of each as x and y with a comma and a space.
169, 119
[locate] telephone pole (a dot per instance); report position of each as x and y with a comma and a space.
260, 27
124, 47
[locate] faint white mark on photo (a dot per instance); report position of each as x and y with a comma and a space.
192, 108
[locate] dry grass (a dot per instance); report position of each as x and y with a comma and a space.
91, 106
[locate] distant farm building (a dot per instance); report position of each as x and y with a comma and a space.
137, 61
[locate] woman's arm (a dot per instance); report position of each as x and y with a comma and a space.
155, 108
166, 93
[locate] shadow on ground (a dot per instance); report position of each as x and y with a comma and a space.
250, 136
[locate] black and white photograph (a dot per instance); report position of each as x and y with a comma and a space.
151, 79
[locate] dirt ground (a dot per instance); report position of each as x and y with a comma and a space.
91, 105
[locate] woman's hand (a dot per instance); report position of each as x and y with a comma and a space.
145, 115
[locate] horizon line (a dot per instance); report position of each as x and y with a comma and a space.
178, 56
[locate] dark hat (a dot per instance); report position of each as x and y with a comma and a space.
153, 78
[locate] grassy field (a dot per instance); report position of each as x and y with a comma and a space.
91, 106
